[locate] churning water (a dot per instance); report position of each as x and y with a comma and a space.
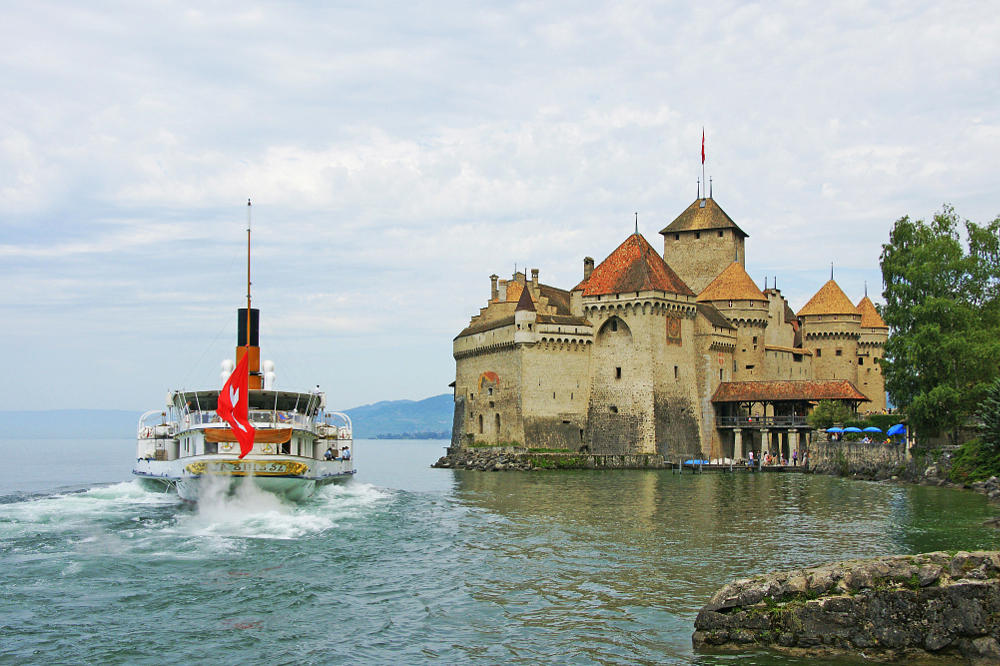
406, 564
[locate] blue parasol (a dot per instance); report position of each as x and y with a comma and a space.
898, 429
852, 429
835, 429
872, 429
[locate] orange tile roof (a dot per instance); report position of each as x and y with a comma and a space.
830, 299
732, 284
633, 266
698, 217
870, 317
788, 391
514, 290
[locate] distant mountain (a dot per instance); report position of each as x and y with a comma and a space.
430, 418
390, 419
69, 423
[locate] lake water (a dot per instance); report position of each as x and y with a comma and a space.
407, 564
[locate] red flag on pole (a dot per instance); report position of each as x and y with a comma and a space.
702, 145
234, 405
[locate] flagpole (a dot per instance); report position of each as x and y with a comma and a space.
702, 155
248, 293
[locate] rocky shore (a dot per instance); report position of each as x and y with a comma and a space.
888, 608
497, 459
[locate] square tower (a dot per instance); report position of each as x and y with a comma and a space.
702, 242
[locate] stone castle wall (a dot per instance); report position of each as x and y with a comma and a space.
829, 456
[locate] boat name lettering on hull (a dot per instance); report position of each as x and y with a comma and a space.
244, 467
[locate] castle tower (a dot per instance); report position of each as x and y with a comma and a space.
831, 329
737, 297
871, 346
643, 384
702, 242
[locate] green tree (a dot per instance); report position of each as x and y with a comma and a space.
942, 305
828, 412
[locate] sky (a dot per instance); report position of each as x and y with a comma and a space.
397, 154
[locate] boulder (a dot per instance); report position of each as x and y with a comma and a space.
904, 606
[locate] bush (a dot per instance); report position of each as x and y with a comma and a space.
974, 461
828, 412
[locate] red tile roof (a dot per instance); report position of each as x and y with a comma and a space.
633, 266
779, 391
830, 299
870, 317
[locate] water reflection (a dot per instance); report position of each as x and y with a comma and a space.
617, 564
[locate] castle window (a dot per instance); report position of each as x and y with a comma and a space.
498, 424
720, 374
613, 409
614, 324
618, 373
490, 390
861, 361
675, 372
720, 234
553, 395
677, 236
819, 352
529, 327
697, 235
797, 358
840, 352
730, 304
480, 424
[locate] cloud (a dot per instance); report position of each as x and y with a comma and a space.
398, 156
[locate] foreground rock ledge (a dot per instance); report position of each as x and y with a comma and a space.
887, 608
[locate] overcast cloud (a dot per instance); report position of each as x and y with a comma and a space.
398, 154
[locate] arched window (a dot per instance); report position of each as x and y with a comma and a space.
480, 424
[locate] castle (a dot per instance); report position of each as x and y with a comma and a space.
679, 354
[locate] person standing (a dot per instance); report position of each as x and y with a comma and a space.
795, 457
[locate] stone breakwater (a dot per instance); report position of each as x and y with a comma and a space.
887, 608
496, 459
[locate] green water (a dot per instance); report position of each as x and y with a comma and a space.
409, 564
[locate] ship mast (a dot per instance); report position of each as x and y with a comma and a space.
248, 292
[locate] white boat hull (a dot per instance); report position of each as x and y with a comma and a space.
194, 477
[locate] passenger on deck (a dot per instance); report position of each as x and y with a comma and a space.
329, 453
345, 453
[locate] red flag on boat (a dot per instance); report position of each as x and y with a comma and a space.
702, 145
234, 405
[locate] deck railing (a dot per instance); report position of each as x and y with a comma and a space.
780, 421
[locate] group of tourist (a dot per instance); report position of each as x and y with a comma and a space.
769, 459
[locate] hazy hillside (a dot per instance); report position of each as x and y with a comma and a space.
426, 419
418, 419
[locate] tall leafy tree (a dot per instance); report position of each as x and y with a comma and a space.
942, 305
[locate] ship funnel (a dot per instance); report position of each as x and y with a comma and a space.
254, 348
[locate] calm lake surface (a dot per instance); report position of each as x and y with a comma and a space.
408, 564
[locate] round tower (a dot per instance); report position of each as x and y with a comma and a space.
871, 348
831, 329
737, 297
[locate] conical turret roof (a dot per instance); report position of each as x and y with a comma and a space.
633, 266
524, 302
732, 284
829, 300
702, 214
870, 318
